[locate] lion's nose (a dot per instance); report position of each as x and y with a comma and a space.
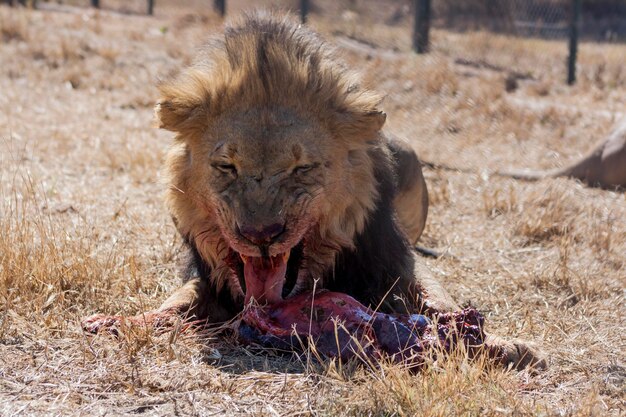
262, 235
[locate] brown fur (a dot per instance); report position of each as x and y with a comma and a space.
411, 201
604, 166
229, 80
272, 130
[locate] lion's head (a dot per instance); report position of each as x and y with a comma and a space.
270, 174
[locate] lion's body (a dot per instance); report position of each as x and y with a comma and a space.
281, 181
379, 252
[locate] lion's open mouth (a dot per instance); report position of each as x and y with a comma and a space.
269, 279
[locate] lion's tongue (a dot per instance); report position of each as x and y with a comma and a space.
265, 278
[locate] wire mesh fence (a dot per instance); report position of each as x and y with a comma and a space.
602, 19
486, 26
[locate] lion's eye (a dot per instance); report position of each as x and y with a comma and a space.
303, 169
225, 168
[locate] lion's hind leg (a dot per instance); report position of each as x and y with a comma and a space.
411, 201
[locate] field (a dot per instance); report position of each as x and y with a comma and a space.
83, 228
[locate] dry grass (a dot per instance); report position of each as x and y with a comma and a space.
83, 229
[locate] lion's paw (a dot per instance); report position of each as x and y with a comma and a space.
517, 353
158, 321
100, 323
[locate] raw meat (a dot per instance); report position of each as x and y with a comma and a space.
341, 327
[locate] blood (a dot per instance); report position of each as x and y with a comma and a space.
340, 327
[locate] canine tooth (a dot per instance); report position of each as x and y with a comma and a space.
286, 256
244, 258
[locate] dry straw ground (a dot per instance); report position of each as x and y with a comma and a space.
83, 228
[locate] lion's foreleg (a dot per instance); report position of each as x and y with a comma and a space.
432, 298
188, 304
189, 300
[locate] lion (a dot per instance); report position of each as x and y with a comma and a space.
604, 166
280, 181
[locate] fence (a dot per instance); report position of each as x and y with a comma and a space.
546, 19
517, 17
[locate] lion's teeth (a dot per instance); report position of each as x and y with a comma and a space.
284, 256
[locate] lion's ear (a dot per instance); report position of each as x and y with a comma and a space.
376, 120
178, 117
183, 105
360, 126
168, 116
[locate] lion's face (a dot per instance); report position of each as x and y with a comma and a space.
265, 177
271, 174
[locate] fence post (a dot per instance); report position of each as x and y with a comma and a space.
220, 7
304, 10
573, 40
95, 3
150, 7
421, 25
